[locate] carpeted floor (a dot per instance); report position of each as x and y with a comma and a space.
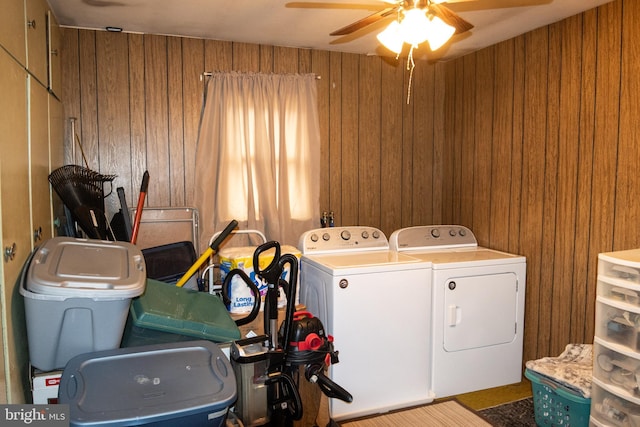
514, 414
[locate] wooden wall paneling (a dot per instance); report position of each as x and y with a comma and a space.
391, 170
218, 55
628, 189
440, 146
422, 96
113, 113
335, 137
175, 102
548, 283
193, 92
531, 226
517, 149
457, 143
483, 144
448, 82
246, 57
70, 68
137, 117
501, 148
369, 146
267, 59
349, 154
305, 61
548, 286
285, 60
408, 118
157, 126
467, 148
584, 263
87, 124
568, 151
320, 61
606, 133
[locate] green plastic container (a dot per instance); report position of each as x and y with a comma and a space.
555, 405
167, 313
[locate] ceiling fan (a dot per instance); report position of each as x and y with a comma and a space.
400, 7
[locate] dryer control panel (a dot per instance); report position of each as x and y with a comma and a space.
342, 239
432, 237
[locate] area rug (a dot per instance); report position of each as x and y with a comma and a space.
450, 413
514, 414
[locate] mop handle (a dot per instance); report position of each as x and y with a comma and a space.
143, 192
213, 248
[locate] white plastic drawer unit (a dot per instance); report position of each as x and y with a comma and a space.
617, 323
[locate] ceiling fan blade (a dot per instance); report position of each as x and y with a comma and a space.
375, 17
451, 18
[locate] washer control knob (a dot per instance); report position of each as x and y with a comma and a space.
462, 232
376, 234
345, 235
326, 237
451, 285
314, 237
365, 234
343, 283
435, 233
452, 233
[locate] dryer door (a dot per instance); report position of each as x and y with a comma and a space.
479, 311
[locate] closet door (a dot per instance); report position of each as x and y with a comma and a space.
14, 215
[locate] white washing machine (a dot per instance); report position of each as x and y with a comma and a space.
478, 308
373, 302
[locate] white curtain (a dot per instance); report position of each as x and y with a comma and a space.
258, 154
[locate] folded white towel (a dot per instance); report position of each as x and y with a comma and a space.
572, 369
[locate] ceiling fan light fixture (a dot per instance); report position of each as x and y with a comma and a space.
415, 26
439, 33
391, 37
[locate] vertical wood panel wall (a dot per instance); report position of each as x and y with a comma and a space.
544, 157
531, 142
137, 100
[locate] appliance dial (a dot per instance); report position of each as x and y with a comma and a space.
462, 232
314, 238
326, 237
452, 233
345, 235
376, 234
365, 234
435, 233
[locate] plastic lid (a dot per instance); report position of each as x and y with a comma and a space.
167, 308
84, 268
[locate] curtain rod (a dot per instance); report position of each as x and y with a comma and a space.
210, 73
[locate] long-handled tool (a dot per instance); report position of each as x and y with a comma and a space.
143, 193
210, 251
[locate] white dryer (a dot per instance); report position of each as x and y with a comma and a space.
373, 302
477, 315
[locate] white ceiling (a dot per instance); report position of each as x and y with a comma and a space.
307, 24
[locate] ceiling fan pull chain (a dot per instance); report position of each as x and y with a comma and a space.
410, 66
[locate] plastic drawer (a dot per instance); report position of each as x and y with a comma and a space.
618, 324
622, 265
611, 409
620, 371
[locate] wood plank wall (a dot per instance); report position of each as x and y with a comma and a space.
544, 156
137, 99
530, 142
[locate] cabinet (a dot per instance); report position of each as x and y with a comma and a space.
615, 399
31, 141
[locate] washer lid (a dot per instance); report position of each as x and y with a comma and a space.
461, 258
366, 261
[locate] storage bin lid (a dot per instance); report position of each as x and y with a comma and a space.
167, 308
149, 384
84, 268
